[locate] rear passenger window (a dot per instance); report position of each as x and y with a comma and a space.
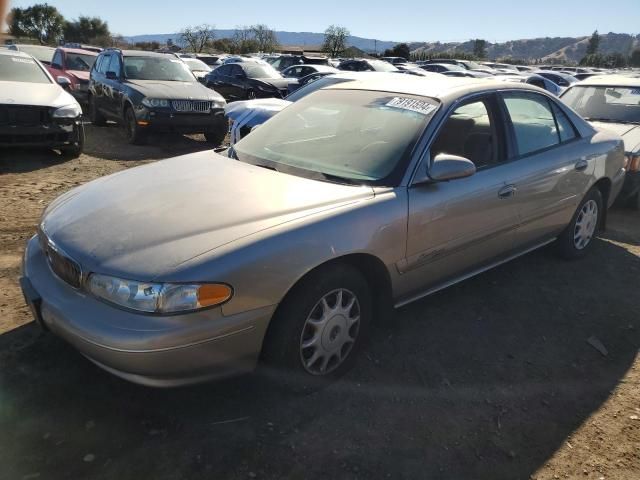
533, 122
565, 127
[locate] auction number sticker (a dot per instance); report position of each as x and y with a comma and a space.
419, 106
22, 60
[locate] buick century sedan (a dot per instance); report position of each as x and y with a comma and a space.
360, 196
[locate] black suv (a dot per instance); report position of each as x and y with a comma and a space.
153, 91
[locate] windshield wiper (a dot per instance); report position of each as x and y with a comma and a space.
268, 167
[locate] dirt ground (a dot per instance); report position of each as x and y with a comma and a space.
489, 379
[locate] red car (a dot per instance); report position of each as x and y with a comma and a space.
73, 64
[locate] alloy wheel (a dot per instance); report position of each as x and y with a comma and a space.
330, 332
586, 224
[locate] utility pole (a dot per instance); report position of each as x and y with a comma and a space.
375, 48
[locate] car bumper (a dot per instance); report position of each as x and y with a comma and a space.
55, 134
159, 351
182, 122
631, 186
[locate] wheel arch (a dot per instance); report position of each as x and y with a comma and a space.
604, 186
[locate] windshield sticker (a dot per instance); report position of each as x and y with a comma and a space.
22, 60
425, 108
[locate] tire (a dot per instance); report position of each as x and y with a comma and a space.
95, 116
251, 95
577, 239
315, 334
131, 129
75, 150
216, 136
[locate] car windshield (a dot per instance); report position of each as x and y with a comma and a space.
197, 65
380, 66
605, 103
350, 136
21, 69
259, 70
78, 61
157, 68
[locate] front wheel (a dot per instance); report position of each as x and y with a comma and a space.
95, 116
75, 149
133, 132
318, 330
577, 239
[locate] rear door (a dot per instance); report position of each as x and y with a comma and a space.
550, 169
460, 226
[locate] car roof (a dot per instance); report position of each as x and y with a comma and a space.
81, 51
435, 86
138, 53
612, 80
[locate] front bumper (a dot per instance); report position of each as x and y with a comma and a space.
159, 351
631, 186
170, 121
58, 133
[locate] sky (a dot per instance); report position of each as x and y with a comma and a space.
397, 20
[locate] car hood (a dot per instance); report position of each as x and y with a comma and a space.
629, 133
139, 223
79, 74
174, 90
255, 112
37, 94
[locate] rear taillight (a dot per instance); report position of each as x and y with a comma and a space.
632, 163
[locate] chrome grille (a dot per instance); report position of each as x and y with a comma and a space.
191, 106
64, 267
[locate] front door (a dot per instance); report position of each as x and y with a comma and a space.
456, 228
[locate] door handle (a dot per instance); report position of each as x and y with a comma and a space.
508, 191
581, 165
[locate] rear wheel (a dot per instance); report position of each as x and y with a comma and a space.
577, 239
318, 330
94, 115
133, 132
251, 95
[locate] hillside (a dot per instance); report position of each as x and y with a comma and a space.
570, 49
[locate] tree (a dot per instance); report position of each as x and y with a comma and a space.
264, 37
594, 43
634, 58
86, 30
197, 38
335, 40
399, 50
41, 22
480, 48
243, 41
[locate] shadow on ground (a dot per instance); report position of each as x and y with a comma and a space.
483, 380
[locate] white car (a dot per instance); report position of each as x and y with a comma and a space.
35, 110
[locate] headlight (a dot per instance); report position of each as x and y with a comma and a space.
161, 298
68, 111
155, 102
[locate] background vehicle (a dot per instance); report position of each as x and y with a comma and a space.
34, 109
426, 171
285, 61
146, 91
299, 71
561, 79
247, 80
442, 67
468, 64
74, 64
41, 53
612, 102
532, 79
198, 68
366, 65
395, 60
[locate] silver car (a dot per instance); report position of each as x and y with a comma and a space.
359, 196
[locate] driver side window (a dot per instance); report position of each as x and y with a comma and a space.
470, 132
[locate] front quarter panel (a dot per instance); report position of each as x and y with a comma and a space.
263, 267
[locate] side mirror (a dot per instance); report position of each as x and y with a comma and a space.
449, 167
64, 82
111, 76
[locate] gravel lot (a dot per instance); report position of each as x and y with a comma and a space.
492, 378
